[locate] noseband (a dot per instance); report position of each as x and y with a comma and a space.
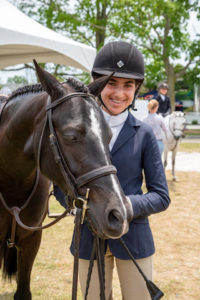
73, 184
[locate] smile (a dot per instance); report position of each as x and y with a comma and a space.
117, 101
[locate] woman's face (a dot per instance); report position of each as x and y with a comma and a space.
118, 94
163, 91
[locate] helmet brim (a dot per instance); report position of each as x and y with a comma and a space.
121, 74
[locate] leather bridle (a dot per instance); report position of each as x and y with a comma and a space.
73, 183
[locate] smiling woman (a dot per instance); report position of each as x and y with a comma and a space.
134, 152
118, 94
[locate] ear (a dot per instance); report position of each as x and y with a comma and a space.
50, 84
98, 85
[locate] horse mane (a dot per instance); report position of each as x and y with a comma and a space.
3, 98
27, 89
37, 88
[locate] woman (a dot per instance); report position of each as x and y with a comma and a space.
133, 150
156, 122
163, 100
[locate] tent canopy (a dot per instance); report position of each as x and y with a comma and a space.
22, 39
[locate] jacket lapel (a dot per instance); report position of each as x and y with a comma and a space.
127, 131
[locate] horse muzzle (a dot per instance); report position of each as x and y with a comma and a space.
111, 221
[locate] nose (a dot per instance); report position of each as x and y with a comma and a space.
115, 222
119, 92
177, 135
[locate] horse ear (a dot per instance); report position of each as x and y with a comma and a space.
98, 85
50, 84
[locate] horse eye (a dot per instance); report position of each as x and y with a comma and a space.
70, 137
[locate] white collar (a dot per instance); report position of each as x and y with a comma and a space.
162, 97
115, 120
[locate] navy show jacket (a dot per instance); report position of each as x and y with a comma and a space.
164, 106
135, 151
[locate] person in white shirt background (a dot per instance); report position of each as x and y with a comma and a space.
156, 122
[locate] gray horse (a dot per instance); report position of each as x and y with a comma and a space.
175, 124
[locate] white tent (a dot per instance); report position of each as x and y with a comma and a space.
22, 39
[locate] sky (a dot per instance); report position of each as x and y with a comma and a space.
193, 28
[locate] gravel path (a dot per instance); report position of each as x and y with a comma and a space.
185, 161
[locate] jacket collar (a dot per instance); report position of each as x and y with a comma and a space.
128, 130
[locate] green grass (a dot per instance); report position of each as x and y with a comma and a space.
189, 147
176, 261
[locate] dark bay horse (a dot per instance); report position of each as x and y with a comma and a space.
31, 119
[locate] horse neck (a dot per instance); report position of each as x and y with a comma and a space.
170, 142
168, 135
18, 138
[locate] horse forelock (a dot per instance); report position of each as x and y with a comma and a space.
81, 87
77, 85
178, 114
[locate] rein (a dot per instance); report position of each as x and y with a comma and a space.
15, 211
72, 183
98, 249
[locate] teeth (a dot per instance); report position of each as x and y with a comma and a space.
117, 101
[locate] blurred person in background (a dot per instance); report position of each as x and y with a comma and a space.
163, 100
156, 122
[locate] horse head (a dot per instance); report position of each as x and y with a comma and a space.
73, 153
177, 124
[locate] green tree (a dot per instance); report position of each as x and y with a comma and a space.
17, 79
158, 28
87, 21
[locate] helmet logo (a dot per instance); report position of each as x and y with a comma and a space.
120, 63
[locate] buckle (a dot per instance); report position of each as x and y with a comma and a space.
83, 204
10, 244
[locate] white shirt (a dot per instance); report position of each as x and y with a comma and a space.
157, 123
116, 123
162, 97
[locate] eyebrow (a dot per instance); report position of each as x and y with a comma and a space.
128, 81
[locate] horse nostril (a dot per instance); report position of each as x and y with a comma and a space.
114, 218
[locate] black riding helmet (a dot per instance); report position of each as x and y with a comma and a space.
122, 58
163, 85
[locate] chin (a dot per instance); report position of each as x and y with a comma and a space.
93, 228
117, 111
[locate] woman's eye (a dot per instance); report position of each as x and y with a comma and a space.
112, 83
129, 85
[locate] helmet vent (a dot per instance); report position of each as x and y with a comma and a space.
120, 63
